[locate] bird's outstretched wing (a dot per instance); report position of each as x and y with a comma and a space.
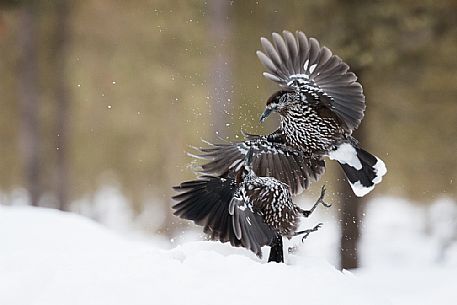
301, 63
211, 202
269, 159
205, 201
249, 227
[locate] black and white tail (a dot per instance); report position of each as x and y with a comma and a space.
362, 169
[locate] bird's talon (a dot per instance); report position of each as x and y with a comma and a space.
327, 205
323, 189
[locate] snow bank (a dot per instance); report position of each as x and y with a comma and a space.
49, 257
409, 251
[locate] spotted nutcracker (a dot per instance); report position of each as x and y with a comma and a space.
244, 209
320, 105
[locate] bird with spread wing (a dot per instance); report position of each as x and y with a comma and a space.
320, 104
244, 209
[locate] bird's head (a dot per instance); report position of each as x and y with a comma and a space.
279, 102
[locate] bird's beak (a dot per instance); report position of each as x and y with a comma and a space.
265, 114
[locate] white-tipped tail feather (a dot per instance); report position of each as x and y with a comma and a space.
363, 170
380, 169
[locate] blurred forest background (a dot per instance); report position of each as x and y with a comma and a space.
100, 93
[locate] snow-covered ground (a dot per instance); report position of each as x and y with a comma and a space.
52, 258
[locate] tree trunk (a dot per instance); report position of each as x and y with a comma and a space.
350, 219
28, 96
62, 103
349, 225
220, 74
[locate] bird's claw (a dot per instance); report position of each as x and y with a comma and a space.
316, 227
323, 189
321, 198
327, 205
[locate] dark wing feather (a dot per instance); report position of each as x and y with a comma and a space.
301, 63
206, 202
249, 226
270, 159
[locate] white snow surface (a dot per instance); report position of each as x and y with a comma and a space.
50, 257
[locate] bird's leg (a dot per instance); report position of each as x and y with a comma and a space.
320, 200
307, 232
276, 252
